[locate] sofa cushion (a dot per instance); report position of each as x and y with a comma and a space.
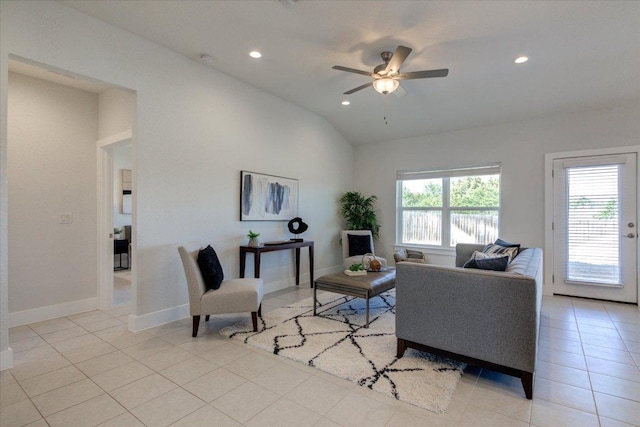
520, 263
210, 268
359, 244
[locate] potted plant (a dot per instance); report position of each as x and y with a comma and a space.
116, 233
253, 238
359, 212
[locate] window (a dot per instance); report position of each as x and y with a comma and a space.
447, 207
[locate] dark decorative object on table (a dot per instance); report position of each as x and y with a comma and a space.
297, 226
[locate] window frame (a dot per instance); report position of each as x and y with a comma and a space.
446, 209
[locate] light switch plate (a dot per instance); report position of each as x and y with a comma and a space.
66, 217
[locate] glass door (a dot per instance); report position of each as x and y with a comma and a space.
595, 227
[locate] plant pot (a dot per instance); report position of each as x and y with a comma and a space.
254, 242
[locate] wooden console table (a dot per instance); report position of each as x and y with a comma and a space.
259, 250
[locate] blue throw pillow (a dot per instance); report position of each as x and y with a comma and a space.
494, 264
210, 268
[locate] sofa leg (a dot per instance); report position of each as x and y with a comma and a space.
402, 346
527, 384
196, 324
260, 310
206, 318
254, 320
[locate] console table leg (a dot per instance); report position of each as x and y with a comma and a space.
243, 262
311, 265
256, 267
297, 266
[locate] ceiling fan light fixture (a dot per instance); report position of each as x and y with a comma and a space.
385, 85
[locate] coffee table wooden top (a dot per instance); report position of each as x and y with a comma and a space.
371, 281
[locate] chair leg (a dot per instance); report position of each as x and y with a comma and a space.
254, 320
260, 310
527, 384
206, 319
401, 347
196, 323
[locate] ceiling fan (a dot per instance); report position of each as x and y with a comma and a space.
386, 75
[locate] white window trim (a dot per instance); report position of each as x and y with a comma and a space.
478, 170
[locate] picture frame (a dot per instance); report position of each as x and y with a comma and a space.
266, 197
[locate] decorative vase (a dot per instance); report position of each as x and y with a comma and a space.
254, 242
371, 263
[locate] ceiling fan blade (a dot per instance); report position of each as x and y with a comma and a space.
364, 86
423, 74
397, 59
400, 91
352, 70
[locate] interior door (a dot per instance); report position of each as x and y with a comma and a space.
595, 227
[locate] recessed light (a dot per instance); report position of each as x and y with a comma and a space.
345, 103
255, 54
521, 60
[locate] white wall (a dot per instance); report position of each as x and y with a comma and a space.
195, 129
121, 160
116, 112
520, 147
52, 132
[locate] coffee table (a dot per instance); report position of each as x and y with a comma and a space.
366, 287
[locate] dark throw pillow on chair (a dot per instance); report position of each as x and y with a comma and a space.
210, 268
359, 244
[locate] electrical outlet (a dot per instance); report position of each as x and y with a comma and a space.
66, 217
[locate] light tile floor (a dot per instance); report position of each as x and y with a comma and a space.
88, 369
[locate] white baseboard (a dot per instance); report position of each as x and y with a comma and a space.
18, 318
157, 318
6, 359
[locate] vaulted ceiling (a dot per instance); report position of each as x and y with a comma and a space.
583, 55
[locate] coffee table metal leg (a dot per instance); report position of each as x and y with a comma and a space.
367, 301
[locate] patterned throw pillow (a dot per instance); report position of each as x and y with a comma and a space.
507, 244
495, 249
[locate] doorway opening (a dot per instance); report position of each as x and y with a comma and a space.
67, 111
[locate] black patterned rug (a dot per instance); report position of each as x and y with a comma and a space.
336, 342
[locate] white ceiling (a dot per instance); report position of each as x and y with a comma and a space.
583, 55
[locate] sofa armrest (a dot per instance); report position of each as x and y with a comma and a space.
491, 316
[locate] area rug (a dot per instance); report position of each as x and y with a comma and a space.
337, 342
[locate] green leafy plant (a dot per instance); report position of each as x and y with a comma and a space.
359, 212
252, 235
356, 267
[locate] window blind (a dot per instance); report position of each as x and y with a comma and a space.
593, 234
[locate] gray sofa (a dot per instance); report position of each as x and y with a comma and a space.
485, 318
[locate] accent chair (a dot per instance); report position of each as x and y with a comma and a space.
233, 296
